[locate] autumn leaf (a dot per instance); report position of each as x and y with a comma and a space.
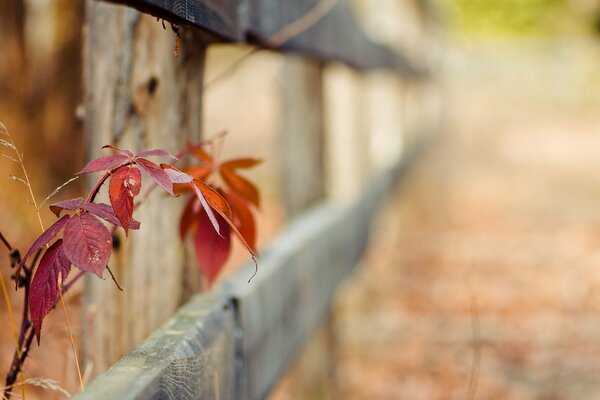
44, 239
126, 158
156, 153
43, 293
156, 174
105, 163
69, 205
87, 243
227, 171
212, 249
125, 184
107, 213
243, 219
240, 185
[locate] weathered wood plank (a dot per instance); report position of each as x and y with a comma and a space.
138, 96
221, 17
302, 136
189, 357
333, 36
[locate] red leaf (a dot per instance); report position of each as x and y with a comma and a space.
189, 216
157, 174
43, 293
104, 163
243, 219
241, 163
70, 205
241, 185
122, 151
125, 184
212, 250
87, 243
157, 153
107, 213
43, 239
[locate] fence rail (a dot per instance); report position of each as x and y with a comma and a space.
324, 29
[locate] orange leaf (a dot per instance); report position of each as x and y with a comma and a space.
214, 199
201, 154
199, 172
241, 185
241, 163
243, 219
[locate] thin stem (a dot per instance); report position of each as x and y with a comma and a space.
64, 307
96, 188
114, 278
11, 316
3, 239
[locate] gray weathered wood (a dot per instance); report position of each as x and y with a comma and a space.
189, 357
334, 37
138, 95
302, 136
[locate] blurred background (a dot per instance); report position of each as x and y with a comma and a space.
481, 277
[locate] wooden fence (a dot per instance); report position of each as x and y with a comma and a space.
237, 341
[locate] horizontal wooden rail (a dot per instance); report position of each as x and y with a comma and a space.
236, 342
332, 34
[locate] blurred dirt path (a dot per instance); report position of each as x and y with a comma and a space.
482, 279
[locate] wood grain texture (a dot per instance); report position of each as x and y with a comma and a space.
334, 37
189, 357
138, 95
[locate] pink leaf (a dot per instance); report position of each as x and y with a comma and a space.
107, 213
87, 243
157, 174
212, 250
43, 293
70, 205
104, 163
43, 239
157, 153
175, 175
125, 184
122, 151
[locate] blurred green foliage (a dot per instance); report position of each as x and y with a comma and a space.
510, 18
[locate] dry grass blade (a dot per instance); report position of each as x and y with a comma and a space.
58, 189
8, 144
9, 157
3, 130
17, 179
46, 383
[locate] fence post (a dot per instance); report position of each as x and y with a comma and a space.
138, 94
303, 173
